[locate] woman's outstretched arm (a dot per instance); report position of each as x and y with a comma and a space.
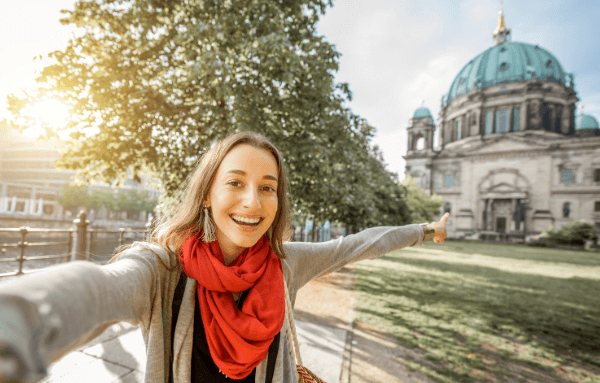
45, 315
311, 260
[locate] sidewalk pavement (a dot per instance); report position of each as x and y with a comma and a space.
119, 356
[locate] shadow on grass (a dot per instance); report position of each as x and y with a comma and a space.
470, 318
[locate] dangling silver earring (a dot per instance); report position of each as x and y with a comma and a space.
209, 227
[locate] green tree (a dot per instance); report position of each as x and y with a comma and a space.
152, 84
74, 197
420, 203
133, 201
391, 208
103, 198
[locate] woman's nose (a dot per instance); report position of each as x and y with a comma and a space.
251, 199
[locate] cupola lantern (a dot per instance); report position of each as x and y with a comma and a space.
502, 33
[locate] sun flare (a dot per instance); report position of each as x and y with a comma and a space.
49, 112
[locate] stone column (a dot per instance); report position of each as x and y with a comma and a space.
13, 207
523, 116
487, 212
3, 199
552, 113
430, 140
510, 118
483, 204
513, 224
565, 119
481, 120
31, 201
490, 211
40, 209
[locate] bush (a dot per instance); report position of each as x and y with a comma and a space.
574, 234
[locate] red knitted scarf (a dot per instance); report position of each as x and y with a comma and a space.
238, 340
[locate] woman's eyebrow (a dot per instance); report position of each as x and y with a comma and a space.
243, 173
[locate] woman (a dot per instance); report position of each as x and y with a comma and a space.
223, 249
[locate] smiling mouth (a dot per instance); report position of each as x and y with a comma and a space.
248, 222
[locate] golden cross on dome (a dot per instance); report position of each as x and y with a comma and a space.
502, 33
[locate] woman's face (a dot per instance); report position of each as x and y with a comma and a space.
243, 198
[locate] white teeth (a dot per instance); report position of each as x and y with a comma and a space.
245, 220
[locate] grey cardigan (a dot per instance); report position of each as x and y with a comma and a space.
69, 305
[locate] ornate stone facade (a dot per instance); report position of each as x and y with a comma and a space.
510, 157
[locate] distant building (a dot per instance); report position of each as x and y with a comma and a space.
30, 183
512, 157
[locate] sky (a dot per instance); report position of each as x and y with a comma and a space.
395, 54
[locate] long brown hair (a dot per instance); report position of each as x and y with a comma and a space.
187, 216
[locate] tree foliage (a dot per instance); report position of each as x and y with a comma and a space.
424, 207
74, 196
79, 196
152, 84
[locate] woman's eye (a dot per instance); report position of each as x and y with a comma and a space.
269, 189
234, 183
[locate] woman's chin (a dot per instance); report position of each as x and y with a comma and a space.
242, 238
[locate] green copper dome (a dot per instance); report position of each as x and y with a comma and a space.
422, 112
505, 63
585, 121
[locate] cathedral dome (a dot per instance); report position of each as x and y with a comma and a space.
504, 63
422, 112
585, 121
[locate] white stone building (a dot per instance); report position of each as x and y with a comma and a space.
31, 185
513, 158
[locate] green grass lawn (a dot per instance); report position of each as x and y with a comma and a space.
488, 312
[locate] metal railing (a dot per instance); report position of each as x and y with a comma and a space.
80, 244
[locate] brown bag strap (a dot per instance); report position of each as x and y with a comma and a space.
291, 328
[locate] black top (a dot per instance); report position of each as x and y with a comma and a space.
204, 368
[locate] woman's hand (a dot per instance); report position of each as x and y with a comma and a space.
440, 229
20, 359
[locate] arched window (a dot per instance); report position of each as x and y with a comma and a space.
566, 210
420, 143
